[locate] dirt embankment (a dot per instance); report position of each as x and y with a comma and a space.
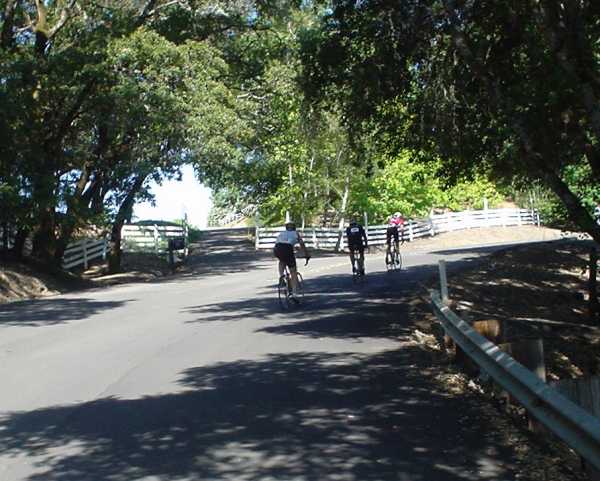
536, 291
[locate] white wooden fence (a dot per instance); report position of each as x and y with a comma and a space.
333, 238
6, 237
151, 238
83, 251
135, 238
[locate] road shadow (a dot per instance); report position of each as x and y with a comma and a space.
53, 311
491, 248
301, 416
333, 306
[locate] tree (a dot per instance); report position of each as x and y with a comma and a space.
93, 106
506, 88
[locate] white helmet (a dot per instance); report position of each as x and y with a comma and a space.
397, 214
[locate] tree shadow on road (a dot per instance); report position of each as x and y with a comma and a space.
301, 416
333, 306
58, 310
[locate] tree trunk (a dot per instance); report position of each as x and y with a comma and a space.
577, 212
19, 243
114, 258
76, 203
342, 211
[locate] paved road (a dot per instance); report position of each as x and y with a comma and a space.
202, 377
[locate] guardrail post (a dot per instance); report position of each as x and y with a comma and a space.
443, 282
257, 238
104, 249
314, 238
411, 233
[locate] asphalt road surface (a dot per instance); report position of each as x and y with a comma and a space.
203, 377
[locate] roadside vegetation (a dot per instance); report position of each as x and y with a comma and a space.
322, 109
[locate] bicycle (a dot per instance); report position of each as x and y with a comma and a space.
284, 288
393, 260
358, 271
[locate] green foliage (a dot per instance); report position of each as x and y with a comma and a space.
504, 89
414, 188
96, 101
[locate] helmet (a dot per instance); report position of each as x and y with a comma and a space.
397, 215
289, 225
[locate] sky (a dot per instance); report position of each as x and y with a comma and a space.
176, 198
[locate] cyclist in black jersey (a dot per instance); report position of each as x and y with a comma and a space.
357, 242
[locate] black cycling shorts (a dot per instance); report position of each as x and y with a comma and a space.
285, 253
356, 246
391, 231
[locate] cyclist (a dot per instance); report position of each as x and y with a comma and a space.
395, 229
284, 251
357, 242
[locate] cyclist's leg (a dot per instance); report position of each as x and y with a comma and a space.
294, 279
352, 259
281, 267
291, 263
388, 240
361, 260
396, 245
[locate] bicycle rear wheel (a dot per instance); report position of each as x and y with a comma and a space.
390, 260
283, 293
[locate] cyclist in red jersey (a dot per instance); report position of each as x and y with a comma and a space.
395, 229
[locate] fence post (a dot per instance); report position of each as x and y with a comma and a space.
104, 244
314, 238
411, 233
443, 282
486, 212
449, 221
537, 217
85, 254
593, 305
186, 235
155, 238
257, 237
519, 221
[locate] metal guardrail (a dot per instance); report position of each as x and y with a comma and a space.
579, 429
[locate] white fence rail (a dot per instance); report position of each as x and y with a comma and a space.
83, 251
330, 238
7, 237
150, 238
571, 423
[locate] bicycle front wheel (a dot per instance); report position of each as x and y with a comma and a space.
300, 288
